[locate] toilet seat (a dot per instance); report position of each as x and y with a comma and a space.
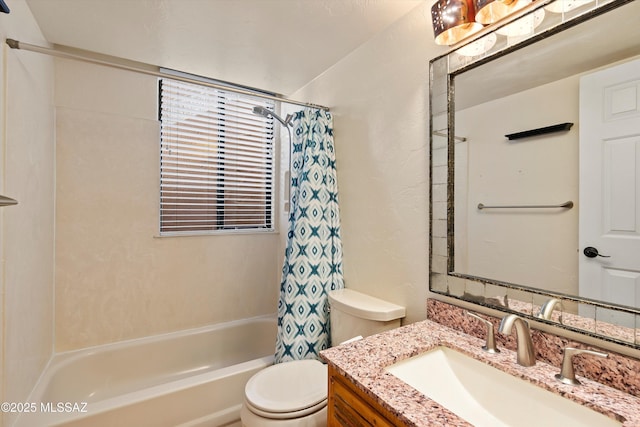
288, 390
286, 415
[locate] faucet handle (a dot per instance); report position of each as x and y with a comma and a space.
490, 346
567, 374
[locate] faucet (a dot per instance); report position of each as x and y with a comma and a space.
524, 351
490, 342
546, 310
567, 375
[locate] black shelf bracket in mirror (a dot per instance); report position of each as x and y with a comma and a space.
540, 131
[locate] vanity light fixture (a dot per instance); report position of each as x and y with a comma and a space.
524, 25
490, 11
453, 20
478, 47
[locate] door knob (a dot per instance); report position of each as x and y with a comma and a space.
591, 252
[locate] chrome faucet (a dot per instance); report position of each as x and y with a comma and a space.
524, 351
567, 374
546, 310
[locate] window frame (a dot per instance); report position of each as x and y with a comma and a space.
224, 224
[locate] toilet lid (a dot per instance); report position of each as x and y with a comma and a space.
288, 387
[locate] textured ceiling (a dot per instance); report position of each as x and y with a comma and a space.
276, 45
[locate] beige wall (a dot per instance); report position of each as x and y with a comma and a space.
115, 278
26, 230
379, 98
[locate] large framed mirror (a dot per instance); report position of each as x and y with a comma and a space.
535, 150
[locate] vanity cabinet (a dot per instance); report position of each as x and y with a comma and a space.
350, 407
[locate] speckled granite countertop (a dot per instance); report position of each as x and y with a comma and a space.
363, 362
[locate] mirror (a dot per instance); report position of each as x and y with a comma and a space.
502, 232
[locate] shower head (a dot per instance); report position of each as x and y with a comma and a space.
264, 112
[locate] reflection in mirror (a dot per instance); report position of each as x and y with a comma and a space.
520, 301
514, 251
616, 324
586, 321
496, 295
475, 291
548, 308
535, 247
457, 286
514, 245
438, 283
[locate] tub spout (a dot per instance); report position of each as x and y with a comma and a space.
525, 354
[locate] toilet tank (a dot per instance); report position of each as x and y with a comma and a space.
353, 313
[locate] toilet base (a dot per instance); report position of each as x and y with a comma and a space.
249, 419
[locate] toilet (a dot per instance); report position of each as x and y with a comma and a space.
295, 393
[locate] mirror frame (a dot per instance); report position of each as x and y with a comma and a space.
443, 279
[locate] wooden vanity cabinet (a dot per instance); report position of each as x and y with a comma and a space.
350, 407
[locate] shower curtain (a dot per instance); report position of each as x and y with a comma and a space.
313, 257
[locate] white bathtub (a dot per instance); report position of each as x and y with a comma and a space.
189, 378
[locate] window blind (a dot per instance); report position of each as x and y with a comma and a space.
216, 160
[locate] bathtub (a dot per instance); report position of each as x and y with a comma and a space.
188, 378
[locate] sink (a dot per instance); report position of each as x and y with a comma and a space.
486, 396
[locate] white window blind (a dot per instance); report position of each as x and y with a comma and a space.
216, 165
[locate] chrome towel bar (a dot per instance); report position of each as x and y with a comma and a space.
566, 205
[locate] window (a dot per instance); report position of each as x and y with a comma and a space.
216, 160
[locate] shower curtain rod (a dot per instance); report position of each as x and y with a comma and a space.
15, 44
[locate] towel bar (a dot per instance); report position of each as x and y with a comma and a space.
566, 205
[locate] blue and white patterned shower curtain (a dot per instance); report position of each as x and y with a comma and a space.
313, 258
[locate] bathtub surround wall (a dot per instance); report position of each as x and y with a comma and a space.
617, 371
379, 100
27, 160
115, 278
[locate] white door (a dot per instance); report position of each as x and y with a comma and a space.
610, 186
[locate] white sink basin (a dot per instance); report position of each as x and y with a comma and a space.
486, 396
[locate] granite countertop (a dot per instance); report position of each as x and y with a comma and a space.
363, 363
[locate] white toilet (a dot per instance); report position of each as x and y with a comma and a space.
295, 393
